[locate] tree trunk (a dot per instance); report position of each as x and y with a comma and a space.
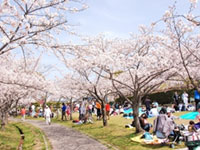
43, 107
3, 121
57, 113
44, 104
71, 109
105, 123
16, 104
135, 107
6, 117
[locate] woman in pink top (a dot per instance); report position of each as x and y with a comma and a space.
68, 112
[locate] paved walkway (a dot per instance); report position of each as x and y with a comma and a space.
63, 138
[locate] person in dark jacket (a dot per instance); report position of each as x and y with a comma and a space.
176, 98
64, 111
197, 98
163, 110
147, 104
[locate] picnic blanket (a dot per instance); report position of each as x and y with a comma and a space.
154, 141
189, 116
130, 110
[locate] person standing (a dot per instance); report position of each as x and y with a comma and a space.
147, 104
52, 112
98, 107
176, 99
23, 113
47, 115
68, 111
108, 110
79, 110
29, 111
197, 98
90, 110
33, 110
185, 99
83, 110
64, 111
93, 106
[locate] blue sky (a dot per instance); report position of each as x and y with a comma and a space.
120, 17
117, 18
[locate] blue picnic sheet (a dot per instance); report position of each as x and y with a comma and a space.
189, 116
130, 110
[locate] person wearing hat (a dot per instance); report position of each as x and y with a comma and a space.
47, 115
171, 116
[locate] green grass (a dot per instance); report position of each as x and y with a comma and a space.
10, 137
115, 135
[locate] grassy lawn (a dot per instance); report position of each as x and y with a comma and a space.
10, 137
115, 135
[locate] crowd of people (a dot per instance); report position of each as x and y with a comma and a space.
163, 126
179, 103
87, 108
48, 113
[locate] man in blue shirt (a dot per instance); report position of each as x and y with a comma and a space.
64, 111
197, 98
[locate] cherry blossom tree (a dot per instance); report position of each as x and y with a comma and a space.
70, 88
134, 67
80, 59
34, 24
99, 88
18, 83
182, 33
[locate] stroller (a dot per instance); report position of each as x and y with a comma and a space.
165, 128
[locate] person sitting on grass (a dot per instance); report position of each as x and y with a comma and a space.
153, 112
145, 125
191, 127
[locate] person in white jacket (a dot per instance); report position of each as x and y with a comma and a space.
185, 99
47, 115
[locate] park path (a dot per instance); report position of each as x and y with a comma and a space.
63, 138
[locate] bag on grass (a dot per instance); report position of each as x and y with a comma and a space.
148, 136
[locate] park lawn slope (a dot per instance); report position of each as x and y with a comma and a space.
10, 137
115, 135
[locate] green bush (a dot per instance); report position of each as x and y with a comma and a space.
167, 97
161, 97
